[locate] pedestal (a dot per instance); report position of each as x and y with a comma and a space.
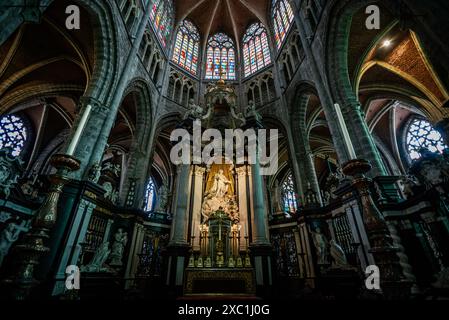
29, 252
393, 283
177, 260
262, 263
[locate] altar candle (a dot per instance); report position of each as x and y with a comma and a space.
345, 132
79, 131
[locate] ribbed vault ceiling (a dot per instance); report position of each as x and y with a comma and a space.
229, 16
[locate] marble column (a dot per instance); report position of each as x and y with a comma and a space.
260, 225
87, 143
135, 250
243, 204
197, 203
260, 247
72, 248
178, 247
181, 213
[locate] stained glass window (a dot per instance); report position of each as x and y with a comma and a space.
186, 49
220, 58
150, 196
161, 16
13, 133
289, 195
256, 53
282, 15
421, 134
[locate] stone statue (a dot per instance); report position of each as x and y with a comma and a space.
94, 173
338, 254
221, 185
163, 199
10, 235
118, 247
320, 243
252, 112
277, 198
99, 259
195, 111
110, 193
407, 184
210, 204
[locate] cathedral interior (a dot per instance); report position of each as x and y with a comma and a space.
354, 96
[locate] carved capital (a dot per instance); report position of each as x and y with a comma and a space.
241, 171
199, 171
97, 106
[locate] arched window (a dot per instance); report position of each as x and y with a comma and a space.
150, 195
187, 47
421, 134
256, 53
161, 16
220, 58
289, 195
13, 133
282, 15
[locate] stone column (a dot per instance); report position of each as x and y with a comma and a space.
260, 247
361, 137
197, 203
178, 247
87, 143
95, 143
308, 176
181, 213
320, 84
135, 250
72, 250
306, 253
243, 204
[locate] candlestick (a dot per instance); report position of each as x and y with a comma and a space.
219, 230
79, 130
345, 132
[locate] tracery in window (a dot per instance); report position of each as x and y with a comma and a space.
13, 133
289, 195
186, 49
161, 16
421, 134
282, 15
150, 195
256, 52
220, 62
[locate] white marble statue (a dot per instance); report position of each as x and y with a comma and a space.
163, 195
277, 198
320, 243
195, 111
338, 255
220, 186
98, 261
118, 247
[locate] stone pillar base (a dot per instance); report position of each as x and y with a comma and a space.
262, 263
177, 257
